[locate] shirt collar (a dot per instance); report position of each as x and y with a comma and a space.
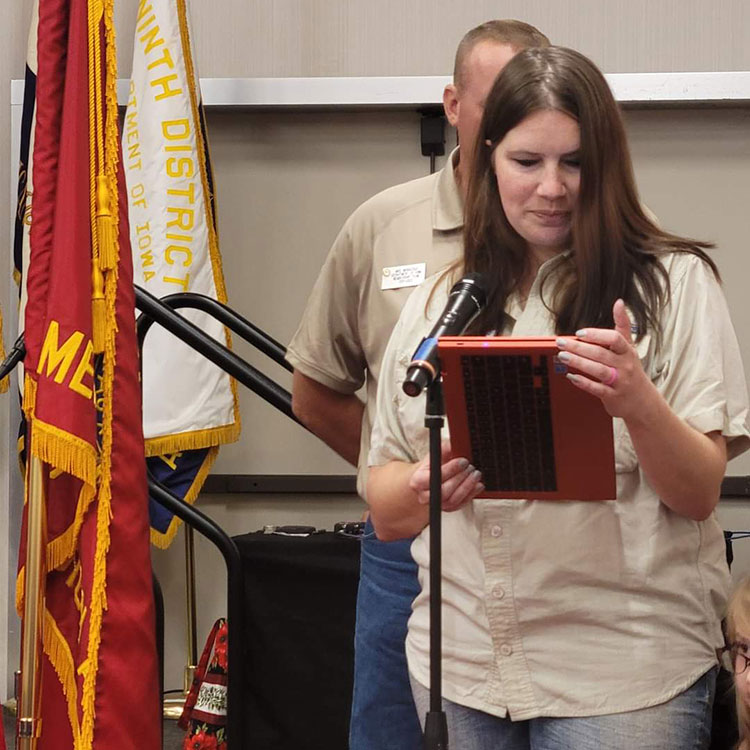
513, 307
447, 203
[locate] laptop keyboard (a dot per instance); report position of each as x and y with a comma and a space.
510, 421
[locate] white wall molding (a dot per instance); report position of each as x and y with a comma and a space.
631, 89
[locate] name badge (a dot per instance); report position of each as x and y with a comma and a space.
397, 277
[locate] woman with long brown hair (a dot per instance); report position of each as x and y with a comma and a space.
573, 624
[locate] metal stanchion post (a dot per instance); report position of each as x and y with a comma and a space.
173, 706
192, 619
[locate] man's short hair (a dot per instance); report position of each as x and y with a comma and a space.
515, 34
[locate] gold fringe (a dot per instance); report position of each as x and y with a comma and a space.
98, 313
29, 396
96, 144
202, 149
99, 584
62, 548
104, 225
195, 440
64, 451
58, 651
98, 601
163, 540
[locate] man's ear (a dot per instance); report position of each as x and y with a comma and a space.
451, 104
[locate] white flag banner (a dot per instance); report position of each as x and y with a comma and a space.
188, 403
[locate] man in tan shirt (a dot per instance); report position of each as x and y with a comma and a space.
389, 245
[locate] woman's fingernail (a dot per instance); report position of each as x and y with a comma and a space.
571, 376
562, 343
581, 333
463, 462
564, 356
476, 476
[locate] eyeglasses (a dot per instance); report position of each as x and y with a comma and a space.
734, 658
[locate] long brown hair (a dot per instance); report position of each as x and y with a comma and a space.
615, 246
738, 623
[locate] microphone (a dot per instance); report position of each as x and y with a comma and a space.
467, 297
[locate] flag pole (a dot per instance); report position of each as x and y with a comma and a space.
192, 638
172, 707
28, 723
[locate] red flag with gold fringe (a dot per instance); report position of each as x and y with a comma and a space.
82, 402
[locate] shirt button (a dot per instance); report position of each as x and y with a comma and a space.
496, 531
498, 592
506, 650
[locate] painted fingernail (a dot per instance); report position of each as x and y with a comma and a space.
476, 476
463, 462
582, 333
562, 343
564, 356
571, 376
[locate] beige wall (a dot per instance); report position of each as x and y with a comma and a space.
279, 38
286, 181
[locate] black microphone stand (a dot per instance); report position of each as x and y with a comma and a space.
436, 723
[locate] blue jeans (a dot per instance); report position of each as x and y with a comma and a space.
683, 723
383, 712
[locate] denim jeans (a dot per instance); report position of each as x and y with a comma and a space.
383, 712
683, 723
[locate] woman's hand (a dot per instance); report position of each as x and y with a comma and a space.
609, 366
683, 465
460, 481
398, 493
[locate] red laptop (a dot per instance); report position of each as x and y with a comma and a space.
522, 423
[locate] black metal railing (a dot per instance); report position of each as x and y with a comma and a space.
208, 528
162, 311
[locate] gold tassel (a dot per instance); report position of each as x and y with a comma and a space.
105, 225
98, 309
29, 396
